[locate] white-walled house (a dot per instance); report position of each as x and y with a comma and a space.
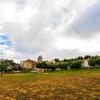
86, 63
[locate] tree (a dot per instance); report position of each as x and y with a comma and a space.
56, 60
41, 65
6, 65
76, 64
62, 65
80, 58
87, 57
3, 66
52, 66
94, 61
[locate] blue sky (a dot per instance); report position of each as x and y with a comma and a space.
52, 28
5, 40
90, 21
5, 44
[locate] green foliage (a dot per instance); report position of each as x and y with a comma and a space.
76, 64
94, 61
87, 57
9, 68
63, 65
41, 65
52, 66
3, 65
56, 60
79, 58
6, 65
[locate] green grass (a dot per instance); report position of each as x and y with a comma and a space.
76, 72
39, 76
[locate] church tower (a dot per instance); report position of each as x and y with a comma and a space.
40, 58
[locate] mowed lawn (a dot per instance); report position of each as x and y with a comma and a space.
58, 85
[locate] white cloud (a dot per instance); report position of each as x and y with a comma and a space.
85, 45
46, 27
10, 13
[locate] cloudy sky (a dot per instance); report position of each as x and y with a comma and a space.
51, 28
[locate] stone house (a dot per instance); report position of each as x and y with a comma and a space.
28, 64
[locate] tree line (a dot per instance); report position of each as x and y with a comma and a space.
60, 65
65, 64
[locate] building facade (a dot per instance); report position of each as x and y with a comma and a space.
86, 63
28, 64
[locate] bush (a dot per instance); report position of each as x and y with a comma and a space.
94, 61
41, 65
72, 64
75, 64
87, 57
51, 66
63, 65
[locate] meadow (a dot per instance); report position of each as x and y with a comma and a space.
57, 85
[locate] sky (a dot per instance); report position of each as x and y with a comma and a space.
51, 28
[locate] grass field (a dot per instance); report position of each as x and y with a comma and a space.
58, 85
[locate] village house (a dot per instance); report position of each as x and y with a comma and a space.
30, 64
85, 63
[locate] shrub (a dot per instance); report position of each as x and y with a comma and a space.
76, 64
94, 61
41, 65
51, 66
63, 65
87, 57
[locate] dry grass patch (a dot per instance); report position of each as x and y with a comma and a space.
51, 86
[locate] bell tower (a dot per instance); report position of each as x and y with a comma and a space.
40, 58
